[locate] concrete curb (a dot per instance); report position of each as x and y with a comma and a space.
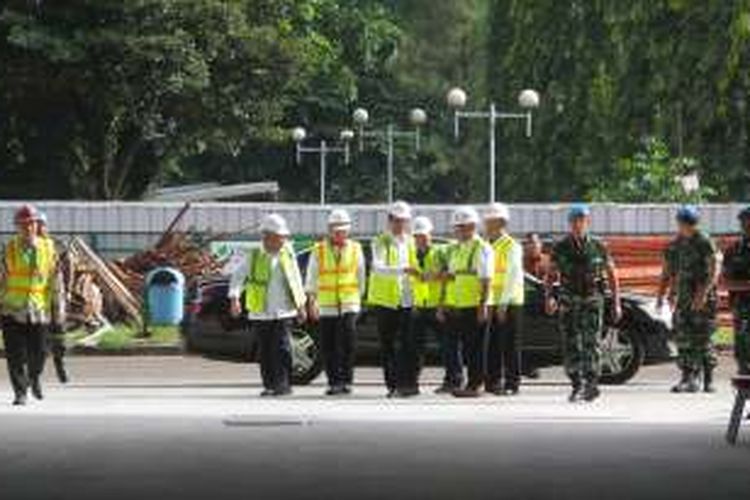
155, 350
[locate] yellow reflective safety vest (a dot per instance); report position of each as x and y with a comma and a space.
29, 275
384, 289
259, 275
465, 289
338, 275
502, 249
427, 292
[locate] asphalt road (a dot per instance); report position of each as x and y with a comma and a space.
187, 428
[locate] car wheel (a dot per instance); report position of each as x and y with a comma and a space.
622, 352
306, 359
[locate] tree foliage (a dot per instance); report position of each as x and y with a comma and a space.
104, 98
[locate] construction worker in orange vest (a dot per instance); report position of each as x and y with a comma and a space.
32, 298
336, 274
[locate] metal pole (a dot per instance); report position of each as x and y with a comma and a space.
493, 152
323, 154
389, 138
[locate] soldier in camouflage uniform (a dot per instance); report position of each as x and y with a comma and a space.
691, 266
582, 265
736, 272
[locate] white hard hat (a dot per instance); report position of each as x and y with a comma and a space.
340, 218
465, 215
274, 224
497, 211
422, 225
400, 210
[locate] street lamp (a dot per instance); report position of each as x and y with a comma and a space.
299, 134
457, 98
417, 118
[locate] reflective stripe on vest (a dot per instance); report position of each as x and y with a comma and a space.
28, 275
384, 289
338, 278
465, 289
259, 275
427, 292
503, 247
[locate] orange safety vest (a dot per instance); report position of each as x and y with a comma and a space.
338, 277
29, 274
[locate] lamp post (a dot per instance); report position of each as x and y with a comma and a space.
299, 134
528, 100
389, 135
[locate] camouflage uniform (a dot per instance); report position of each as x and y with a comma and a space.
737, 267
582, 265
688, 262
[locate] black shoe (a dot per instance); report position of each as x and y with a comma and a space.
590, 392
267, 393
511, 390
335, 390
468, 392
493, 389
408, 392
284, 391
347, 389
575, 394
392, 393
36, 389
686, 384
62, 373
708, 380
445, 389
20, 400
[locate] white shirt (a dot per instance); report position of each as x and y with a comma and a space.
312, 277
279, 302
401, 244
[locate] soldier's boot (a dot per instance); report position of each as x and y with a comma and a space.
708, 379
687, 383
590, 391
576, 392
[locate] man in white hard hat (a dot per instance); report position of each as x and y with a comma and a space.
428, 290
466, 301
336, 279
274, 297
390, 293
503, 357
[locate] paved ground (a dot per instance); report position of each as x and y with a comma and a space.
188, 428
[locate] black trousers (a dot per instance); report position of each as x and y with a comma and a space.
56, 346
338, 336
398, 347
25, 352
468, 335
503, 354
426, 324
275, 352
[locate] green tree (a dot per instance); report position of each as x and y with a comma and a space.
650, 175
118, 94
